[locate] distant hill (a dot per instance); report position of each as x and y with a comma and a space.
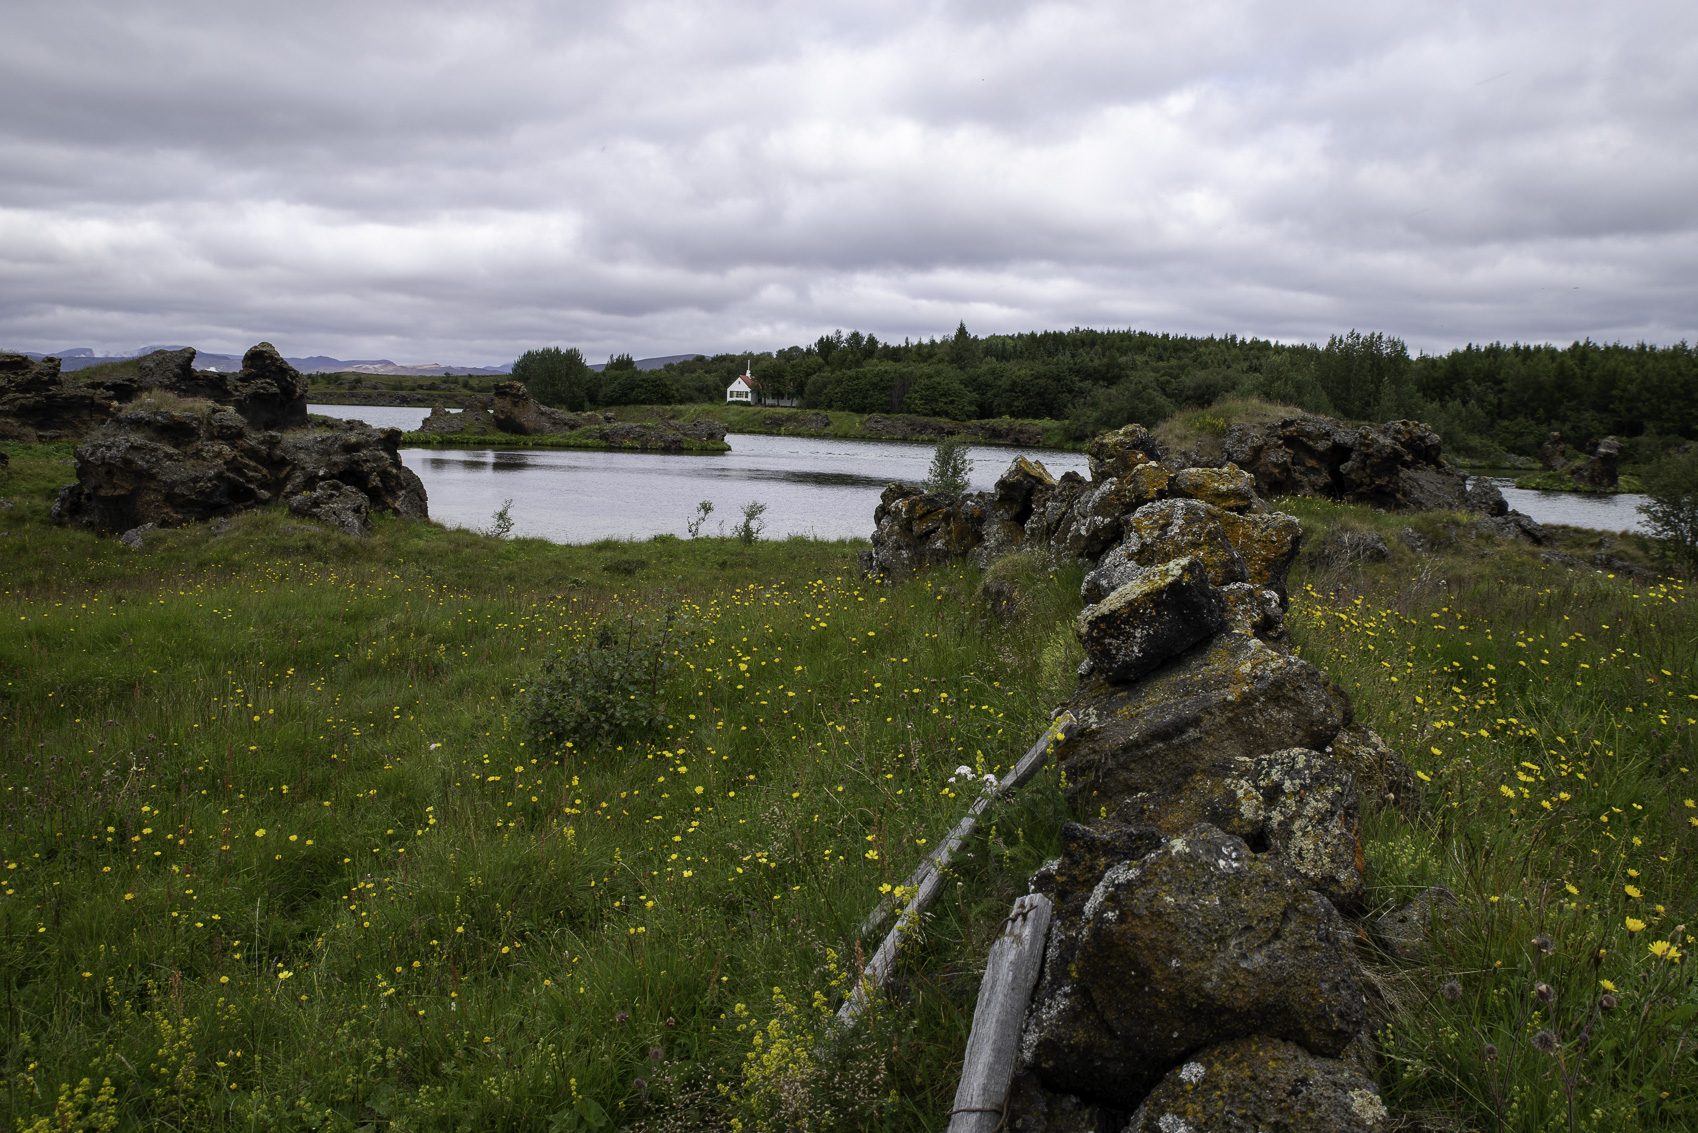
651, 363
80, 357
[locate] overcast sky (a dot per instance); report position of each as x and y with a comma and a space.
456, 183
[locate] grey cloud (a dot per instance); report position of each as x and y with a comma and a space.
430, 182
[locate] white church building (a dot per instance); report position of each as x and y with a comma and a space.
745, 391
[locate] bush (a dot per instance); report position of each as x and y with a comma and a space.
1671, 511
554, 376
606, 690
951, 468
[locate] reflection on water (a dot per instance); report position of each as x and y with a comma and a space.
817, 487
824, 488
1601, 513
405, 417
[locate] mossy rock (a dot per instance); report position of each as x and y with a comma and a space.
1231, 696
1197, 943
1263, 1085
1162, 611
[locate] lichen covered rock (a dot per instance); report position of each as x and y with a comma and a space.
1382, 777
1261, 1085
1233, 696
1298, 803
1162, 611
1229, 488
1256, 611
1171, 529
1033, 1109
1268, 542
334, 502
1194, 944
1116, 454
1406, 931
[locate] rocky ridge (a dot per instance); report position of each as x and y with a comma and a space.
511, 411
1199, 960
168, 444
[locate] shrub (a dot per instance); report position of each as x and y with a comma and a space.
1671, 509
950, 468
752, 526
607, 689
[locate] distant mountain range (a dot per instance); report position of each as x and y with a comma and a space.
81, 357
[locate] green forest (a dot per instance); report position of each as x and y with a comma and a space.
1487, 401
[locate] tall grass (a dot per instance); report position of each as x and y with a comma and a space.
1551, 713
278, 852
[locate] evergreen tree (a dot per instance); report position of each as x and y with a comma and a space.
555, 377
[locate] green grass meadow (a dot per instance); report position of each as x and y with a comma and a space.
278, 852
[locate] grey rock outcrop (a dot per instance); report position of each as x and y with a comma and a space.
1397, 466
1262, 1085
1195, 944
1162, 611
1406, 931
38, 402
170, 467
344, 508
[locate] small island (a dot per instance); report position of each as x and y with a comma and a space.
510, 418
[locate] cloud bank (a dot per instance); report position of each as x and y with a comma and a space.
440, 182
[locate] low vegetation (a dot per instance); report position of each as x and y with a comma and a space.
304, 831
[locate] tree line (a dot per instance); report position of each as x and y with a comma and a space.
1484, 400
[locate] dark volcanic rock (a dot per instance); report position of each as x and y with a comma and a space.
268, 392
1553, 454
1233, 696
1382, 777
38, 403
1599, 473
1162, 611
1300, 803
516, 412
1114, 455
1262, 1085
344, 508
1406, 931
1396, 466
1485, 497
916, 529
1195, 944
1033, 1109
171, 467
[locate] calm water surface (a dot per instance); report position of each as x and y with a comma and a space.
824, 488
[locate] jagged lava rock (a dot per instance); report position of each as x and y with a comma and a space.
1229, 488
1088, 852
1261, 1085
1255, 611
1406, 931
1397, 465
1600, 471
332, 501
1301, 803
38, 403
1382, 777
515, 411
170, 467
1115, 454
916, 529
1161, 611
1231, 696
1195, 944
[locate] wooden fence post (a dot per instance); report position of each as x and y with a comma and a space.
1011, 972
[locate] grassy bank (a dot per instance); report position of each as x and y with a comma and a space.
575, 440
280, 854
851, 426
1550, 713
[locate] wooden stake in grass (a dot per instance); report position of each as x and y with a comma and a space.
1011, 972
928, 878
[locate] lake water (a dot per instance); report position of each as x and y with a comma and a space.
824, 488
